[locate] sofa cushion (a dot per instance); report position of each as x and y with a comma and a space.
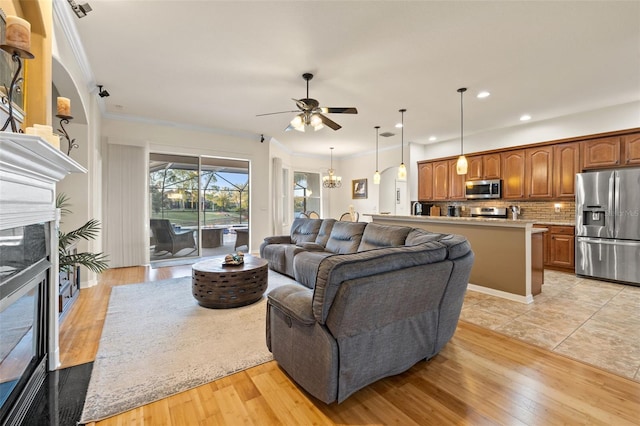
419, 236
345, 237
325, 231
376, 236
333, 270
304, 230
457, 245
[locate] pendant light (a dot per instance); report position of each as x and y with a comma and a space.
331, 181
376, 175
461, 165
402, 170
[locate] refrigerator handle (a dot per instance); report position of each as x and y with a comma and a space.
614, 204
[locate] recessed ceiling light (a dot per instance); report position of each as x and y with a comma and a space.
483, 94
433, 138
525, 117
399, 125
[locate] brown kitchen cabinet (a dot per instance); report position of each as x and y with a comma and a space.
513, 176
456, 182
566, 163
425, 181
631, 149
441, 180
539, 172
559, 247
485, 166
599, 153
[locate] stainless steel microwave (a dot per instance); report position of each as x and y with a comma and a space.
474, 189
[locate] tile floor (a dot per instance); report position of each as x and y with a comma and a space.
592, 321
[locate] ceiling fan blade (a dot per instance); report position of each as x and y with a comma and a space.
272, 113
336, 110
329, 123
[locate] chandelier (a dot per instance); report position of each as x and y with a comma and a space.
331, 181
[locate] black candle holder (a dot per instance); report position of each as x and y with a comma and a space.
71, 143
17, 55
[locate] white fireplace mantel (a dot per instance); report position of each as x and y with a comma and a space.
29, 171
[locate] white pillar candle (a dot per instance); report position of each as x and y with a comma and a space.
54, 140
64, 106
18, 33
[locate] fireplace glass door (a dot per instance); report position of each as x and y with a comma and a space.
24, 271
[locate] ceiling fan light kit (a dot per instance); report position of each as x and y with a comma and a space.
312, 114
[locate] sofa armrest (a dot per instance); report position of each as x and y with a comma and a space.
310, 246
294, 301
278, 239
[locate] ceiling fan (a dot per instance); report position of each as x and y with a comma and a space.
312, 114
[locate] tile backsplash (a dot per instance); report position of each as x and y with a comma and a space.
530, 210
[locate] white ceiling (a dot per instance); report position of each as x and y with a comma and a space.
217, 64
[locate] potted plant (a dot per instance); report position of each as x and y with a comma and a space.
96, 262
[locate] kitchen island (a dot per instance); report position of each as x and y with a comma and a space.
508, 253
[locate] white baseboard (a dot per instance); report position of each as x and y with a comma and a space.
499, 293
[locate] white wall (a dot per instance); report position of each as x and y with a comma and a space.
619, 117
168, 139
82, 189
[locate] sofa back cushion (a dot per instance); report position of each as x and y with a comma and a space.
376, 236
325, 231
345, 237
305, 230
419, 236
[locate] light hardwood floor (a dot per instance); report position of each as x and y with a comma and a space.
480, 378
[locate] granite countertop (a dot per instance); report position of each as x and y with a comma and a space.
555, 222
473, 219
464, 220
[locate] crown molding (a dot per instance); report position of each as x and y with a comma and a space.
62, 12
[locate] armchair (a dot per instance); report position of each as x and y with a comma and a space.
168, 240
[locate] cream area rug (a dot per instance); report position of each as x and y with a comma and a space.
157, 341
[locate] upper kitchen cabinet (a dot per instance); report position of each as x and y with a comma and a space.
539, 172
513, 176
441, 180
604, 152
631, 147
485, 166
566, 163
425, 181
475, 169
456, 182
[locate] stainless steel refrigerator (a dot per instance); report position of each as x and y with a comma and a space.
608, 225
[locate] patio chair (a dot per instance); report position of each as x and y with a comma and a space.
167, 239
242, 238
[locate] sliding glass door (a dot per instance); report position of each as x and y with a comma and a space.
198, 205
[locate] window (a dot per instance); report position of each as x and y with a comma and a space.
196, 196
306, 193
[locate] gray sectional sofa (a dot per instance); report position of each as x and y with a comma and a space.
372, 301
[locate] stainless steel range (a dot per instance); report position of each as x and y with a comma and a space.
489, 212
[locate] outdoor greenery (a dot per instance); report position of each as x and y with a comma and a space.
174, 196
96, 262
